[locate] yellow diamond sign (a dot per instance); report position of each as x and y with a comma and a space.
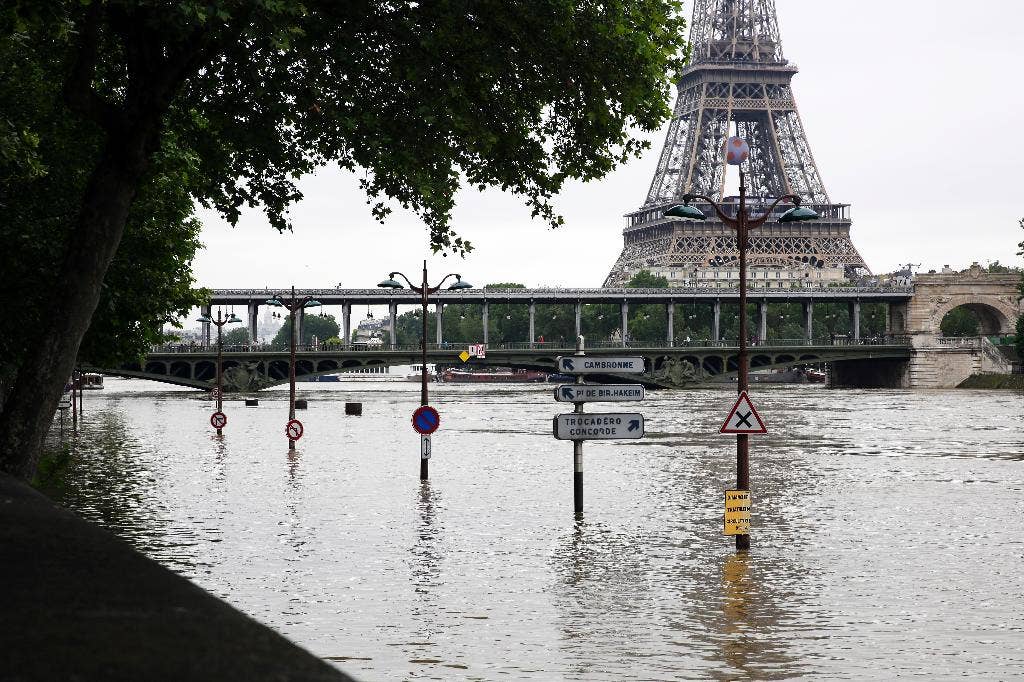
464, 356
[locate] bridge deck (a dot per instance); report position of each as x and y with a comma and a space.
256, 368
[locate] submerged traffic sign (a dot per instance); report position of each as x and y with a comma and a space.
425, 420
580, 426
744, 419
579, 364
599, 393
218, 420
293, 429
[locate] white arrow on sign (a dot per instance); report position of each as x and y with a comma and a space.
578, 364
744, 418
599, 426
599, 393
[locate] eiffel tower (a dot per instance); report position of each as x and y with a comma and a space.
738, 82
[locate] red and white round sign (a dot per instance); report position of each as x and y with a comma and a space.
293, 429
218, 420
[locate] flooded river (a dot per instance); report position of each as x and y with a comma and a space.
888, 535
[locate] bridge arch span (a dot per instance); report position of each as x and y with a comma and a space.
994, 298
994, 316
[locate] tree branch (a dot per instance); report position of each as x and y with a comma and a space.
78, 92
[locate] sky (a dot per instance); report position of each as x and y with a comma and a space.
909, 107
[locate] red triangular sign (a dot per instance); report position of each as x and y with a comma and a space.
744, 419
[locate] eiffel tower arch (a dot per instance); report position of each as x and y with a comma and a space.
738, 82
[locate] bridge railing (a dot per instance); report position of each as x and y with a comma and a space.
560, 347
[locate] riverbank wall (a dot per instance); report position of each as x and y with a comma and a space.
81, 604
995, 381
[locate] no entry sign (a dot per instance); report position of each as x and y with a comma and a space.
425, 420
293, 429
218, 420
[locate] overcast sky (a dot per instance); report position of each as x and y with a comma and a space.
909, 105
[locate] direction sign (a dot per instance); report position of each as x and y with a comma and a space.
599, 393
65, 403
578, 364
744, 419
293, 429
425, 420
218, 420
737, 512
579, 426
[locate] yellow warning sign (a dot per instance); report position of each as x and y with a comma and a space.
737, 512
464, 356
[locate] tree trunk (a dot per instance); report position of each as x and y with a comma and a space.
30, 404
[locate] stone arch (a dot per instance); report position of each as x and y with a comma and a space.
995, 315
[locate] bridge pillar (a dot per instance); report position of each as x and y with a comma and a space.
716, 321
855, 321
300, 319
533, 313
579, 319
670, 311
808, 321
254, 323
762, 322
206, 310
393, 322
625, 323
486, 310
346, 322
439, 314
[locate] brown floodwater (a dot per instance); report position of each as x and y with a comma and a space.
888, 538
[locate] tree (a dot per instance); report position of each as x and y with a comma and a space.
148, 285
522, 96
237, 336
321, 326
960, 322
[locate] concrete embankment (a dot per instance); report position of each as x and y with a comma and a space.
80, 604
995, 381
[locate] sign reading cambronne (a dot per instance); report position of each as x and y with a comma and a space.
577, 364
580, 426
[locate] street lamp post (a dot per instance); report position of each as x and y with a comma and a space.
424, 290
219, 322
742, 223
292, 304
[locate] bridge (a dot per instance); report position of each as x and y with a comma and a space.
251, 368
714, 298
910, 353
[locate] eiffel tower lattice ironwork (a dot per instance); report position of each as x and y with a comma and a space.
738, 82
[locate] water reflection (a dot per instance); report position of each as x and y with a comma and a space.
425, 557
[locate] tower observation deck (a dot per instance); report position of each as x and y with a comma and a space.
738, 82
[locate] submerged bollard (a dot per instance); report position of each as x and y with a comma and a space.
354, 409
301, 404
252, 402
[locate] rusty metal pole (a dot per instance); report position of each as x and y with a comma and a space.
291, 366
424, 290
742, 385
577, 446
220, 364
